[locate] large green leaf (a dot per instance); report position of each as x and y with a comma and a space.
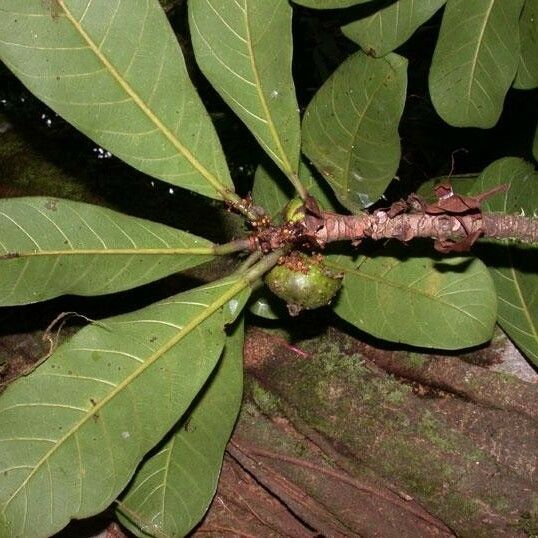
172, 489
51, 247
114, 69
389, 27
244, 48
514, 267
73, 431
446, 303
475, 60
527, 71
329, 4
350, 128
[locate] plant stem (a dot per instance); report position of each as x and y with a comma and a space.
266, 263
237, 245
299, 187
250, 261
239, 204
444, 228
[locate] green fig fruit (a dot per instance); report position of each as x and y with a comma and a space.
303, 282
294, 210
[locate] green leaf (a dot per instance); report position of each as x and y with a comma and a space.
244, 48
513, 267
265, 304
329, 4
446, 303
270, 192
263, 308
461, 184
115, 71
173, 489
475, 61
350, 128
73, 431
51, 247
527, 71
389, 27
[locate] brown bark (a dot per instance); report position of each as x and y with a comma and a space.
454, 221
450, 232
456, 440
407, 226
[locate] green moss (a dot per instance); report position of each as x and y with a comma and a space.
437, 433
441, 436
462, 507
528, 521
266, 401
391, 390
415, 360
341, 385
329, 361
421, 473
426, 476
499, 503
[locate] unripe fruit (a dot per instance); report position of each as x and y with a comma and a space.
294, 210
303, 282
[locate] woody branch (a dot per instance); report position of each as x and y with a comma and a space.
454, 221
444, 229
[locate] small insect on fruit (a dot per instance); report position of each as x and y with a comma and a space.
304, 282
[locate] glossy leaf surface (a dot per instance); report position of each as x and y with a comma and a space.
390, 26
514, 266
73, 431
265, 306
475, 61
244, 48
446, 303
174, 487
51, 247
350, 128
527, 71
114, 69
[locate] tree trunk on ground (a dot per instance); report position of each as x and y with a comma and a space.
352, 440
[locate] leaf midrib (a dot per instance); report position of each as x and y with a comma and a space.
474, 61
257, 80
198, 251
236, 288
206, 174
359, 123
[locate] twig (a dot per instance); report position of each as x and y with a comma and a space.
408, 226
